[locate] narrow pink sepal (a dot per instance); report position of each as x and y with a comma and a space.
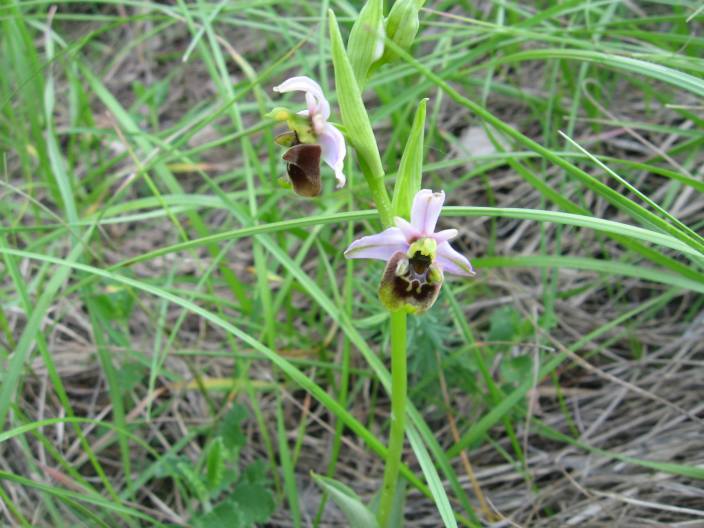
426, 210
305, 84
380, 246
452, 261
332, 143
445, 235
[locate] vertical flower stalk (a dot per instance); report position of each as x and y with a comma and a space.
361, 137
397, 430
416, 255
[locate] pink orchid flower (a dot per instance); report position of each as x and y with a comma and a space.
331, 141
417, 257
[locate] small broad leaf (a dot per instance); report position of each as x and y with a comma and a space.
231, 429
516, 369
255, 473
504, 324
254, 501
247, 506
410, 170
129, 375
356, 513
224, 515
115, 303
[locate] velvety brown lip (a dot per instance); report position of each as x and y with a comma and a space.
303, 167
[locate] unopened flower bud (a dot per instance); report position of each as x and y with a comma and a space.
402, 26
366, 43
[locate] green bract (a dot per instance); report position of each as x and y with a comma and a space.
366, 43
402, 26
410, 170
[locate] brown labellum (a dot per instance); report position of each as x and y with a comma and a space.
303, 167
410, 284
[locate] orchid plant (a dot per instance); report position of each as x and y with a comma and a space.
416, 255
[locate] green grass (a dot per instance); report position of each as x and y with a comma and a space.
182, 341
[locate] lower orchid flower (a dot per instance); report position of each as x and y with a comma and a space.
417, 257
311, 138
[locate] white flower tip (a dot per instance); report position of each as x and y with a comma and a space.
437, 195
468, 271
341, 180
318, 121
445, 234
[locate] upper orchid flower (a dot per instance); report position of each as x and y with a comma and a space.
416, 256
313, 130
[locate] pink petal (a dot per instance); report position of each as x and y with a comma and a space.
380, 246
445, 235
309, 86
453, 262
332, 144
426, 210
410, 232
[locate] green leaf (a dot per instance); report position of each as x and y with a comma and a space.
579, 220
679, 79
215, 463
114, 304
287, 468
224, 515
97, 501
442, 502
516, 369
366, 43
255, 473
130, 375
231, 429
396, 517
503, 325
410, 170
356, 513
254, 501
248, 505
13, 372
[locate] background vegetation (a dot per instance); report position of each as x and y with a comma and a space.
182, 341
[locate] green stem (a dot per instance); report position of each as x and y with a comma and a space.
374, 175
398, 415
